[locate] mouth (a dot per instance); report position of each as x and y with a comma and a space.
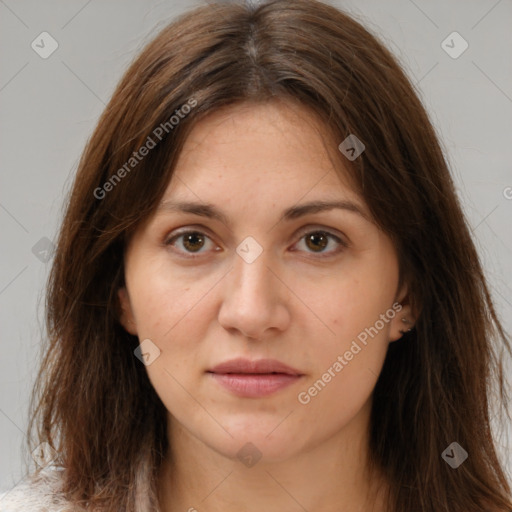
254, 379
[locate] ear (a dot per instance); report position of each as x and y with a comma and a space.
126, 317
404, 319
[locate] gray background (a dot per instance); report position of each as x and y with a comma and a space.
49, 107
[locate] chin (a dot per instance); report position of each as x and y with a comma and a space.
268, 441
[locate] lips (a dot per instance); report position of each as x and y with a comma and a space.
260, 366
254, 379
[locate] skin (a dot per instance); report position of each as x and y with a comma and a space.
253, 161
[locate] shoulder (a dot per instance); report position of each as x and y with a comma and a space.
36, 493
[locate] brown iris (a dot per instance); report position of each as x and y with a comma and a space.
319, 240
193, 241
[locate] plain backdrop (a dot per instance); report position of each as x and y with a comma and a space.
49, 107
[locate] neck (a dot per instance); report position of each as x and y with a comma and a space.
330, 477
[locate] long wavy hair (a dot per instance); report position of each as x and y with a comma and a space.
92, 399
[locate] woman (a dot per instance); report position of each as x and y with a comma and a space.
265, 294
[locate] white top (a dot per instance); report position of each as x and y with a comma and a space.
39, 494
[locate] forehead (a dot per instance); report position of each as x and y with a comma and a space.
259, 152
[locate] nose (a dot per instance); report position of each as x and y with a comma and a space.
255, 300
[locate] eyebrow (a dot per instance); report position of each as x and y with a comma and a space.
294, 212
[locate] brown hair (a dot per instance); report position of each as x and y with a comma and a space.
93, 401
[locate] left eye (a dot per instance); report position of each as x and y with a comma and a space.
318, 241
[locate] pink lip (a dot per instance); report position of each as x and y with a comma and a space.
254, 379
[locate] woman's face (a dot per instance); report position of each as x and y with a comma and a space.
261, 274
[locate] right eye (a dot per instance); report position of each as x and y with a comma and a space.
192, 242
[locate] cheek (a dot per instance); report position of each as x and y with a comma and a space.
169, 309
162, 299
338, 401
351, 305
348, 357
344, 373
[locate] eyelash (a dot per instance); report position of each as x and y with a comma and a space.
191, 255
